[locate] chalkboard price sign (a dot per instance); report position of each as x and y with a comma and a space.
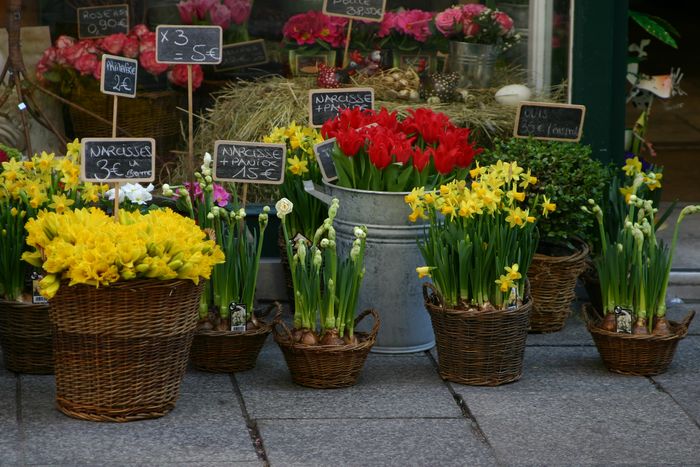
188, 44
242, 54
116, 160
119, 76
248, 162
368, 10
326, 104
101, 21
541, 120
323, 152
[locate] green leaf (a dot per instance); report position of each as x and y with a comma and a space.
654, 28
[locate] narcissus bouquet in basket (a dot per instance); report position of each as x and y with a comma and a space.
378, 151
87, 246
481, 236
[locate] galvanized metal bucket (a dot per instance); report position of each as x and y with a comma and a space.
391, 285
475, 62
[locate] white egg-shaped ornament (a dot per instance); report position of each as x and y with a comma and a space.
513, 94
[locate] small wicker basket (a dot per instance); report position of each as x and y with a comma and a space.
26, 337
121, 351
637, 355
482, 348
229, 352
553, 282
326, 366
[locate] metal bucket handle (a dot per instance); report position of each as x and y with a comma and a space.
317, 192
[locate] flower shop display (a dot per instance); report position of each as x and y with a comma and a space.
229, 335
312, 38
123, 304
379, 158
480, 241
231, 15
72, 69
323, 350
477, 36
634, 336
412, 39
43, 183
568, 176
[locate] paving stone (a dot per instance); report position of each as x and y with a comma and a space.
389, 386
573, 333
682, 380
584, 426
9, 432
196, 382
206, 428
401, 442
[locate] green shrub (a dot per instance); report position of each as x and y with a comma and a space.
566, 173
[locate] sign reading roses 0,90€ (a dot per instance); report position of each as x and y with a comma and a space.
116, 160
102, 21
188, 44
249, 162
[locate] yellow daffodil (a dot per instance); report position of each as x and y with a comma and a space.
653, 180
60, 203
547, 206
513, 273
627, 191
423, 271
504, 282
297, 166
632, 166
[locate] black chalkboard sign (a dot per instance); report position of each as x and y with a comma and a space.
368, 10
323, 152
188, 44
326, 104
242, 54
119, 76
247, 162
540, 120
118, 160
101, 21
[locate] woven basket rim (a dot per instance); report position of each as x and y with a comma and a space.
580, 254
678, 331
141, 283
264, 328
431, 295
23, 305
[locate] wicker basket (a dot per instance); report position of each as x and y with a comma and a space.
553, 282
121, 351
229, 352
638, 355
482, 348
26, 338
326, 366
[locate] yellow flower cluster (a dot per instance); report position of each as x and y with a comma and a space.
501, 187
86, 246
510, 278
300, 141
47, 181
633, 167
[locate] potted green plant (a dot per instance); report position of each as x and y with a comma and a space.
481, 237
567, 177
633, 266
44, 182
379, 157
323, 350
411, 37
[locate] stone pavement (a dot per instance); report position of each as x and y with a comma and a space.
566, 410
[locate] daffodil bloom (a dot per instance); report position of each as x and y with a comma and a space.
505, 283
632, 166
627, 191
60, 203
297, 166
423, 271
653, 180
513, 273
547, 206
527, 179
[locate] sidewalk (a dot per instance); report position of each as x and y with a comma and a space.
566, 410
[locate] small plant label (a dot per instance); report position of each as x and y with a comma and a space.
238, 317
323, 152
37, 298
101, 21
326, 104
623, 319
189, 45
249, 162
242, 55
119, 76
548, 121
112, 160
367, 10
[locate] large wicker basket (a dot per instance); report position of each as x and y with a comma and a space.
326, 366
26, 338
229, 352
482, 348
553, 282
121, 351
638, 355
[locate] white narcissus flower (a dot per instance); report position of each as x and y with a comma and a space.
284, 207
138, 194
110, 195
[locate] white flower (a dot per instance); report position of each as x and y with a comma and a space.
207, 159
360, 232
136, 193
110, 195
283, 207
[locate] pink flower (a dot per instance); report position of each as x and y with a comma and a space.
471, 29
473, 9
178, 76
113, 44
64, 41
449, 21
240, 10
148, 62
97, 72
387, 24
504, 21
195, 190
86, 64
131, 47
203, 6
187, 11
415, 23
73, 53
220, 195
220, 15
147, 42
139, 30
